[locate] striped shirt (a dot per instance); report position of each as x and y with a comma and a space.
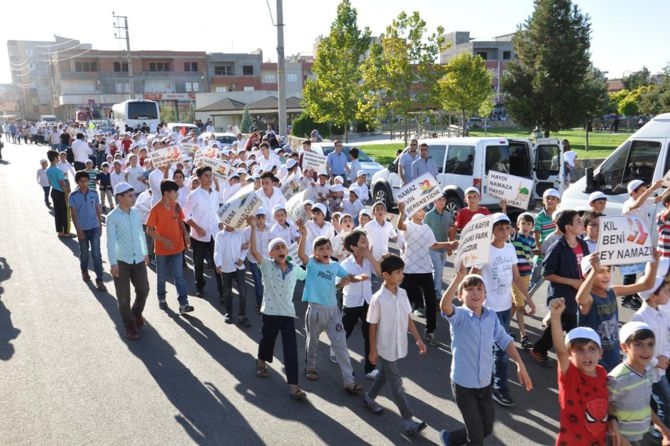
663, 229
524, 247
544, 224
630, 393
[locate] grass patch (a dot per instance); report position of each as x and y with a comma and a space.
384, 154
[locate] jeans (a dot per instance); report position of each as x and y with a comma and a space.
92, 239
536, 278
46, 189
166, 264
200, 250
137, 275
661, 393
500, 358
476, 407
258, 282
438, 257
272, 326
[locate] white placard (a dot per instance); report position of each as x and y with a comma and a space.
294, 207
515, 190
624, 241
189, 149
419, 193
313, 160
474, 247
236, 209
290, 186
293, 254
666, 179
204, 152
166, 156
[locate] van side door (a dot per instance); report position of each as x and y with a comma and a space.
548, 166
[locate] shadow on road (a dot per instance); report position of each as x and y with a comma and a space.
7, 330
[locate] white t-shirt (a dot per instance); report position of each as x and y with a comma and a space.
314, 231
418, 238
356, 294
379, 236
570, 157
391, 313
498, 277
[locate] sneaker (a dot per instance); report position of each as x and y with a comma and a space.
431, 339
132, 334
162, 304
373, 406
525, 343
541, 358
373, 374
228, 319
413, 427
445, 437
419, 312
636, 303
99, 284
199, 293
185, 309
244, 322
502, 397
333, 358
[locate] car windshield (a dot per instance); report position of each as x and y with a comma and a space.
362, 156
226, 139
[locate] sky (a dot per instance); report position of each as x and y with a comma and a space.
625, 35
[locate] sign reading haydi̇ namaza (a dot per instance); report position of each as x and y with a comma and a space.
166, 156
475, 243
236, 209
419, 193
623, 241
515, 190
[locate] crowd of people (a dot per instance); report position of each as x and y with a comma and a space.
611, 381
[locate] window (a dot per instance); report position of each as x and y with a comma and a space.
190, 66
270, 78
220, 89
249, 88
507, 55
497, 158
121, 87
223, 70
291, 77
192, 87
247, 70
120, 67
632, 160
159, 66
482, 54
546, 161
460, 159
85, 66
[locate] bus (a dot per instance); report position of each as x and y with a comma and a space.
134, 113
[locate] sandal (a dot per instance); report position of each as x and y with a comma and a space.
311, 375
261, 371
354, 389
299, 395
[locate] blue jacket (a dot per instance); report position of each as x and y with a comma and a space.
562, 261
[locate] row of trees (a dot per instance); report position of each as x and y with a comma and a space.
551, 84
366, 80
641, 95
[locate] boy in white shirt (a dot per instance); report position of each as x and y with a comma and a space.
380, 231
262, 240
318, 226
230, 250
282, 228
353, 205
389, 319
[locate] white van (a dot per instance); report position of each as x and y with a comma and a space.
179, 127
465, 162
644, 156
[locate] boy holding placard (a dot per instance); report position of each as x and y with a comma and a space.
463, 216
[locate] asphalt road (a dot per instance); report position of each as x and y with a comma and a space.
69, 377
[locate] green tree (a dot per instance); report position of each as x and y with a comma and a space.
245, 123
597, 99
655, 98
637, 79
400, 74
333, 95
466, 86
545, 85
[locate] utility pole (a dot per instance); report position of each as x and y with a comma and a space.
281, 69
125, 36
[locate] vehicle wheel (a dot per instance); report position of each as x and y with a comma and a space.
381, 193
453, 204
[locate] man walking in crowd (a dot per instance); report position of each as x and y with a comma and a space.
85, 211
81, 152
128, 258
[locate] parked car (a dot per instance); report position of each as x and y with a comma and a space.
225, 139
368, 164
104, 125
465, 162
179, 126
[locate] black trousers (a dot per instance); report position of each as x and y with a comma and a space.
272, 326
200, 250
569, 321
60, 210
476, 406
350, 317
416, 285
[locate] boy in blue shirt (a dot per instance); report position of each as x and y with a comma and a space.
323, 312
474, 329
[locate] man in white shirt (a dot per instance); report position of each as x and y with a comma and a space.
268, 193
267, 158
81, 151
200, 214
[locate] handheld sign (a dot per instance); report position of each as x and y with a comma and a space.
294, 207
475, 243
236, 209
290, 186
666, 179
314, 161
623, 241
166, 156
515, 190
419, 193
